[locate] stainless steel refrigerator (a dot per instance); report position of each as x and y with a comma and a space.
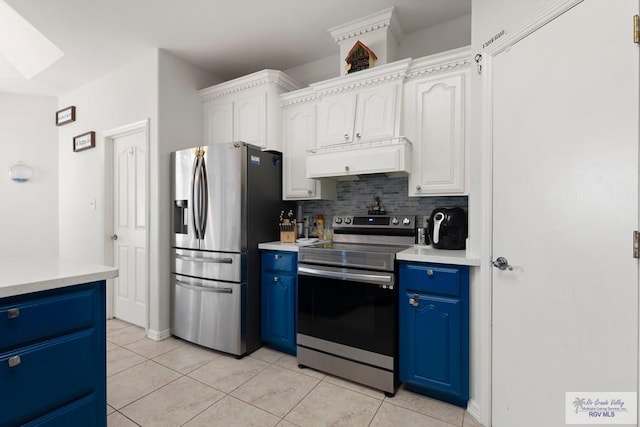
226, 199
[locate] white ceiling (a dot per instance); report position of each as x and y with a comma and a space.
229, 38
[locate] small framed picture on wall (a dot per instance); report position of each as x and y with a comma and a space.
84, 141
66, 115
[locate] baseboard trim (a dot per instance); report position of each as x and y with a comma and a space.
473, 408
158, 335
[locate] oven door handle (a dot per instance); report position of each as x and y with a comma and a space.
376, 279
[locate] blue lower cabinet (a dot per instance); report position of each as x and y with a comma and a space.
279, 296
434, 330
53, 357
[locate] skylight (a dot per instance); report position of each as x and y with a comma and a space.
23, 45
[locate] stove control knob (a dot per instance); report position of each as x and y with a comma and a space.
406, 221
347, 220
338, 220
395, 221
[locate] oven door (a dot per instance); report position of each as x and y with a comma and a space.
352, 307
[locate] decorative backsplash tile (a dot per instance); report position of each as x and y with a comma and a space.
357, 196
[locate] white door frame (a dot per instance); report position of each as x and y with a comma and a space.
548, 14
108, 163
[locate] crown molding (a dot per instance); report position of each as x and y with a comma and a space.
301, 96
257, 79
446, 61
373, 76
383, 20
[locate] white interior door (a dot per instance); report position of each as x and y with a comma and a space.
130, 217
565, 204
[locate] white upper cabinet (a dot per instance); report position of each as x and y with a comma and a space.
246, 109
218, 122
358, 116
435, 121
336, 119
362, 106
299, 134
250, 124
377, 113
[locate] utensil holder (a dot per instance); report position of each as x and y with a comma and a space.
288, 232
287, 236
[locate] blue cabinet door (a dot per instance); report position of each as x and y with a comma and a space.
278, 310
434, 331
279, 298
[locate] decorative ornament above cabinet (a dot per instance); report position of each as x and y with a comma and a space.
360, 57
20, 172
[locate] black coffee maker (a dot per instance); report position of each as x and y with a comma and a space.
448, 228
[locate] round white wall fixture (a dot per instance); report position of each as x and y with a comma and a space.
20, 172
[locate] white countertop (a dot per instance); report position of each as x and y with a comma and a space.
421, 253
291, 247
24, 275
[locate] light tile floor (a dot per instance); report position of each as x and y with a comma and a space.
175, 383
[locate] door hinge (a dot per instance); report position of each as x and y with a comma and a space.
636, 29
636, 249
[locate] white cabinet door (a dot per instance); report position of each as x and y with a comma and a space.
359, 116
435, 124
299, 128
299, 135
218, 122
250, 123
376, 113
336, 119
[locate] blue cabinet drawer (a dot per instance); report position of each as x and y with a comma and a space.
25, 320
85, 412
435, 279
286, 262
43, 377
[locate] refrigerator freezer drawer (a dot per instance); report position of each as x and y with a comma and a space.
208, 313
211, 265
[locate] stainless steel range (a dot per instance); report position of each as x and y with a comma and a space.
347, 299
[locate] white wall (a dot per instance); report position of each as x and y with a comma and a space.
29, 213
123, 96
158, 87
315, 71
437, 38
180, 125
416, 44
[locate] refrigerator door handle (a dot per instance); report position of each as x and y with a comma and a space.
196, 208
199, 194
205, 288
202, 259
203, 190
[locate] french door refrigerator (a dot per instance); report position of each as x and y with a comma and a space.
226, 199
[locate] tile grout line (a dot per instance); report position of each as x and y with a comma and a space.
268, 363
376, 413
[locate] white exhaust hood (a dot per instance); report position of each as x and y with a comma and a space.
389, 156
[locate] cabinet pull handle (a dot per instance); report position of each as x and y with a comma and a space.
358, 135
346, 168
12, 313
275, 279
309, 192
413, 301
418, 188
14, 361
346, 136
429, 272
276, 256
